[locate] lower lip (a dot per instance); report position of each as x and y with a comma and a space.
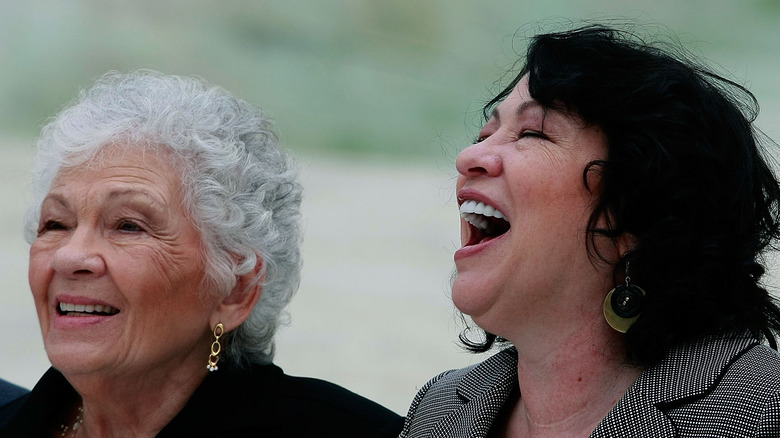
471, 250
66, 322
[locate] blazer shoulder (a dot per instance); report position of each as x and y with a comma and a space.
763, 363
745, 401
756, 371
769, 420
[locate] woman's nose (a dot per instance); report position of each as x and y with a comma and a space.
478, 160
78, 256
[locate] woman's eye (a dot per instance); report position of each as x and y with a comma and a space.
531, 133
51, 226
129, 226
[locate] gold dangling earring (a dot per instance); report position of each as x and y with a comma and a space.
216, 348
623, 305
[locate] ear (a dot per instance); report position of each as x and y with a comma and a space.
235, 308
625, 243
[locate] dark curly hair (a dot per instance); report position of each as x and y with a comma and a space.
685, 177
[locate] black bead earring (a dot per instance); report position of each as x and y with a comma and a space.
623, 305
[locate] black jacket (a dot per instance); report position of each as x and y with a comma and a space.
257, 402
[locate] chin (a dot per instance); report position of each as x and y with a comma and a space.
72, 358
479, 306
469, 300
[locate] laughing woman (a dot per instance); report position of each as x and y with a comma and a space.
165, 245
615, 208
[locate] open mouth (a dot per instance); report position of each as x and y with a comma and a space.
485, 221
69, 309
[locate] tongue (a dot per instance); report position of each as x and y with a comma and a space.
478, 237
487, 238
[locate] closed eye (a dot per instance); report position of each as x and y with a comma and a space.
532, 133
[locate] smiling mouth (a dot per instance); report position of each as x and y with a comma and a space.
69, 309
485, 221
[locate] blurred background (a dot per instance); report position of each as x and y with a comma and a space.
375, 99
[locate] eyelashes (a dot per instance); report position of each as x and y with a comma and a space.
522, 134
51, 225
532, 133
126, 225
129, 226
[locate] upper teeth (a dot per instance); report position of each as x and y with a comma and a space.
472, 211
480, 208
87, 308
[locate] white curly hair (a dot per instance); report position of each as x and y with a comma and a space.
240, 188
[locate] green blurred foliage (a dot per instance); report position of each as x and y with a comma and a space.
396, 79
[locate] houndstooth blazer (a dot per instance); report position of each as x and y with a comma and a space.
717, 387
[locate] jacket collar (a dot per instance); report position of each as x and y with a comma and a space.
245, 398
688, 371
499, 372
483, 392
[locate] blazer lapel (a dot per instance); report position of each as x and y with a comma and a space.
636, 414
483, 392
688, 372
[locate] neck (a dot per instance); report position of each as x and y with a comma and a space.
139, 405
571, 383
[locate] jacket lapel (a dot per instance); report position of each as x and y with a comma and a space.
687, 373
636, 414
482, 392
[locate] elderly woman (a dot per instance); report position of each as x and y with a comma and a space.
165, 245
614, 209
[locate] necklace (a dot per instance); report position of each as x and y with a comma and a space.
72, 430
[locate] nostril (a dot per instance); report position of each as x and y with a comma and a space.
478, 160
76, 261
490, 165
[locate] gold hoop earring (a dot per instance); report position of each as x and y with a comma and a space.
623, 305
216, 348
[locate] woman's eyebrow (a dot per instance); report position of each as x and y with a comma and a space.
527, 106
519, 111
131, 193
151, 203
56, 197
494, 115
